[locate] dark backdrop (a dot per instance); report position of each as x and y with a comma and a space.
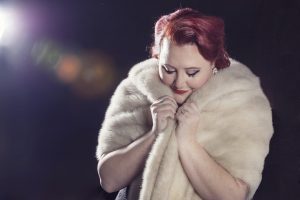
49, 122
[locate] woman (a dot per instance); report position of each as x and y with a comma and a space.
190, 123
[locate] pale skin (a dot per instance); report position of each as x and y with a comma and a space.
181, 67
117, 169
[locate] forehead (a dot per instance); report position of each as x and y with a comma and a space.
179, 56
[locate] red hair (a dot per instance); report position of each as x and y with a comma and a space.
188, 26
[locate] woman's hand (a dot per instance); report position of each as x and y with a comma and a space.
188, 119
161, 109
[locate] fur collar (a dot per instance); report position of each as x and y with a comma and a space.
237, 77
236, 127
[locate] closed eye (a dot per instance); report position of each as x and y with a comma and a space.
193, 74
167, 70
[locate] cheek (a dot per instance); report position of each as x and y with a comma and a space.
199, 82
167, 79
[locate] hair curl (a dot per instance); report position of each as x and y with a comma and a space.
188, 26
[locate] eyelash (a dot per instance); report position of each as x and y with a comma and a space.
170, 72
193, 74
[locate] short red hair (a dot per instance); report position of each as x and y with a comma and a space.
188, 26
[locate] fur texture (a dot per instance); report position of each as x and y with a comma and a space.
235, 129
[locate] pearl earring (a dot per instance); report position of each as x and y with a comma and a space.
215, 71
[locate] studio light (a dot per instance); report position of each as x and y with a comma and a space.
8, 25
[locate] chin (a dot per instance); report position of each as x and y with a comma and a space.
180, 100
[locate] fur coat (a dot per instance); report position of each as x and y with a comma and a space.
236, 128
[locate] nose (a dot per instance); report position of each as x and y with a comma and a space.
179, 81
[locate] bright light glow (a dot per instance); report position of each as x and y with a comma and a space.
9, 25
68, 68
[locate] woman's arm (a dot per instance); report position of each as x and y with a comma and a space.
118, 168
209, 179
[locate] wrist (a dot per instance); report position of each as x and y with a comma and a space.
188, 145
184, 139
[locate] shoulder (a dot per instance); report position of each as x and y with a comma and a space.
145, 77
130, 85
235, 79
139, 68
238, 72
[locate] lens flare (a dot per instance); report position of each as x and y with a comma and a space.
68, 68
97, 76
46, 53
9, 25
90, 74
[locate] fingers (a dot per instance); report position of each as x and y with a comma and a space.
164, 114
166, 99
178, 114
187, 109
164, 103
193, 106
181, 111
163, 108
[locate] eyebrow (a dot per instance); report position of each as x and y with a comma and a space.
168, 65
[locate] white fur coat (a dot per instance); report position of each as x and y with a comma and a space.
236, 128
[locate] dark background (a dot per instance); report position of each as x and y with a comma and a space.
49, 121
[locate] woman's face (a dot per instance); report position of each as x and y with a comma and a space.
183, 69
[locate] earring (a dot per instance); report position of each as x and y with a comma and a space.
215, 71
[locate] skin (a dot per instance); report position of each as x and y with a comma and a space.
117, 169
183, 68
189, 71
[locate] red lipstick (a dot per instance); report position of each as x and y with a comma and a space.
180, 91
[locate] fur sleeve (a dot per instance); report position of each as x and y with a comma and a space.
125, 119
236, 132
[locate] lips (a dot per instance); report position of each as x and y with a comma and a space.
180, 91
